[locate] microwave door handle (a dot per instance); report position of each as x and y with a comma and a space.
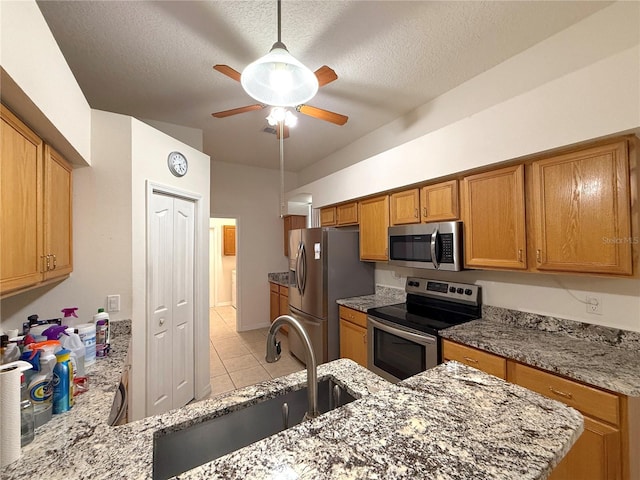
434, 239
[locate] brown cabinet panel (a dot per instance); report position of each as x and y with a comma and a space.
274, 304
353, 316
405, 207
353, 342
347, 214
328, 216
292, 222
487, 362
581, 203
494, 219
229, 239
58, 230
439, 202
374, 223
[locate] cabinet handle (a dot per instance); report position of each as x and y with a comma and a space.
415, 214
55, 264
520, 255
424, 211
48, 263
161, 321
472, 360
538, 256
562, 394
364, 338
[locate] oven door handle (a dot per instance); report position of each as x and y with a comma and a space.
423, 339
434, 239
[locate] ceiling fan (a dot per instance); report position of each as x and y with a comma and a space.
257, 76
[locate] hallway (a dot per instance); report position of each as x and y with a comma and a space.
237, 358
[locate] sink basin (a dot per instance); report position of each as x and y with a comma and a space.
179, 451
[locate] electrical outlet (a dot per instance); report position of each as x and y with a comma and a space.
594, 305
113, 303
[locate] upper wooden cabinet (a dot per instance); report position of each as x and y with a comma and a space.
439, 202
328, 216
229, 240
292, 222
58, 226
494, 219
347, 214
35, 209
581, 208
405, 207
374, 223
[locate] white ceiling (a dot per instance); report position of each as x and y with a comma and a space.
153, 60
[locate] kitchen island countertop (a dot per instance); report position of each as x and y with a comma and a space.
450, 422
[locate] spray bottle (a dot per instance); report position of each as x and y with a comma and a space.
40, 380
62, 383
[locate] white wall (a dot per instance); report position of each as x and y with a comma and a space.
101, 235
554, 295
220, 265
191, 136
149, 151
251, 195
42, 90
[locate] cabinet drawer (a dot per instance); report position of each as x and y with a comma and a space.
588, 400
274, 287
353, 316
487, 362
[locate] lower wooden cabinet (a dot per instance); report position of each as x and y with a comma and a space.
353, 335
278, 303
604, 450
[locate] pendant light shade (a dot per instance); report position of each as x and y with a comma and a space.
279, 79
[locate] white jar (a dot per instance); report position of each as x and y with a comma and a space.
87, 333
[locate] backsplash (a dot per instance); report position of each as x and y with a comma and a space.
614, 337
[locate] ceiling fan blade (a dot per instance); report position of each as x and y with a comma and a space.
285, 131
321, 114
235, 111
228, 71
325, 75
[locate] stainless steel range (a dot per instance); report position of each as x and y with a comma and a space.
404, 340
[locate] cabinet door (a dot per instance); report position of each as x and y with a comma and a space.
58, 232
405, 207
374, 223
292, 222
328, 216
353, 342
595, 456
494, 219
21, 247
582, 211
274, 302
229, 240
283, 308
347, 214
439, 202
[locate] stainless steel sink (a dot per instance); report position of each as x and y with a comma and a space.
177, 452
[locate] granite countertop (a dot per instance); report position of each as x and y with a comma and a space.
450, 422
605, 357
281, 278
383, 296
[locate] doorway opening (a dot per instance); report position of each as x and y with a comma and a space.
223, 261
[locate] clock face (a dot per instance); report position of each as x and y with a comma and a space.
177, 164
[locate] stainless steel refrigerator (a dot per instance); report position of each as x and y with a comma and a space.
324, 265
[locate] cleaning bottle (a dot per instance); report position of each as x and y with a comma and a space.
102, 315
40, 380
72, 342
26, 414
62, 383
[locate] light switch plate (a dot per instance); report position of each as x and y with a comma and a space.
113, 303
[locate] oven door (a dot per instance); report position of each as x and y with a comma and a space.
396, 354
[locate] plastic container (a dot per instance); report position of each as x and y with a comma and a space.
87, 333
40, 380
104, 316
27, 420
72, 342
62, 383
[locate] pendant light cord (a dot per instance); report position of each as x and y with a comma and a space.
279, 23
281, 128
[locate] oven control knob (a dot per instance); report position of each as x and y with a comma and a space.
452, 289
468, 291
460, 291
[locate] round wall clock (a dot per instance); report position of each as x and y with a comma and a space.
177, 164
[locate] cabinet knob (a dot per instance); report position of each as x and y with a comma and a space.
415, 214
538, 256
520, 255
424, 212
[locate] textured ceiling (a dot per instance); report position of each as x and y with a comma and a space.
153, 60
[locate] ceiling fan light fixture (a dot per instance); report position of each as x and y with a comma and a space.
279, 79
280, 114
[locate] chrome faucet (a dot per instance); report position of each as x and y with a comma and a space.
273, 355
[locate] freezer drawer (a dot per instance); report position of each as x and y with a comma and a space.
317, 331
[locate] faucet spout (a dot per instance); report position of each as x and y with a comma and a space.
273, 355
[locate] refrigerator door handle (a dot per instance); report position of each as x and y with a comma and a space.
303, 264
298, 268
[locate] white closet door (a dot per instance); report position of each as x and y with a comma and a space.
183, 270
160, 304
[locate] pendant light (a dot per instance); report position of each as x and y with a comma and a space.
278, 78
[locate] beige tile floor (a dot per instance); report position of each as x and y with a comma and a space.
237, 358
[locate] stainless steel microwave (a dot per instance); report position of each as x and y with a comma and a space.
436, 246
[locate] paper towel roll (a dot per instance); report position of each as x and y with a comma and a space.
10, 411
